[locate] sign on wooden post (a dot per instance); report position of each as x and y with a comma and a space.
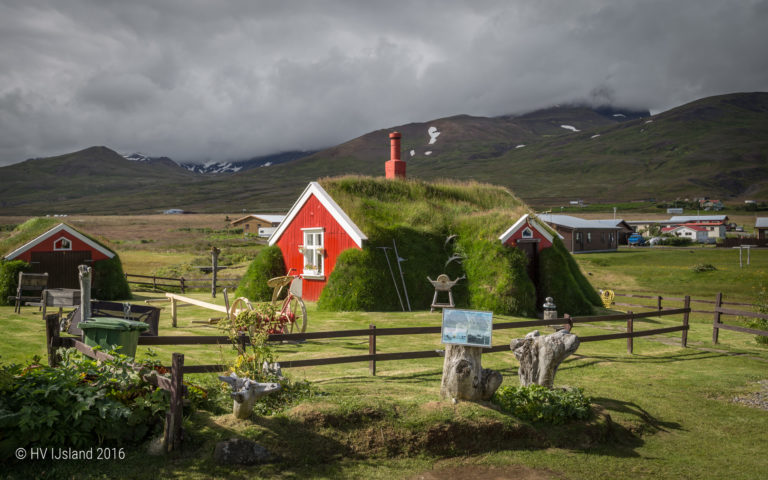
467, 327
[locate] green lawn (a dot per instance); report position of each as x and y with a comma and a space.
670, 408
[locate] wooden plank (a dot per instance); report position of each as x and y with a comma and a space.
741, 313
724, 326
686, 305
635, 334
52, 338
630, 342
199, 303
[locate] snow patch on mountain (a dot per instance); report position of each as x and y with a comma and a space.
570, 127
433, 134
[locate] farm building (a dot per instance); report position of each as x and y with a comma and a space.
581, 235
761, 229
715, 225
341, 234
695, 233
261, 224
58, 249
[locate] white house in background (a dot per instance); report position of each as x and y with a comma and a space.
695, 233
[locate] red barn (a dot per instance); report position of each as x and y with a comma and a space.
58, 252
315, 231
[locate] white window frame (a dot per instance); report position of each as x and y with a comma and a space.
527, 233
63, 249
313, 251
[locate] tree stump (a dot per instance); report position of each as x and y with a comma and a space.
539, 356
464, 377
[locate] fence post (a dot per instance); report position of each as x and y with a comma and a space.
154, 283
687, 307
242, 342
658, 302
172, 434
630, 340
716, 320
215, 267
372, 348
173, 312
181, 280
52, 337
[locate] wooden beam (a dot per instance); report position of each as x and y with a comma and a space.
199, 303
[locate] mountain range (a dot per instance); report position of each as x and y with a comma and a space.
714, 147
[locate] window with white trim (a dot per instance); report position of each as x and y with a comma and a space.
62, 243
527, 233
314, 251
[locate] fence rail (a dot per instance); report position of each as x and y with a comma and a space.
181, 283
660, 298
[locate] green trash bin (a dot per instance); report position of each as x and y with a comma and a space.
108, 332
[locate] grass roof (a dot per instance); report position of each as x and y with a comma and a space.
378, 205
33, 228
420, 216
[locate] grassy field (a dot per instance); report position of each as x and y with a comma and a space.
663, 412
669, 408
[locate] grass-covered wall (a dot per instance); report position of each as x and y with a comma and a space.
420, 216
109, 281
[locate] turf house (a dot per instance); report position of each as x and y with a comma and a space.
341, 232
44, 245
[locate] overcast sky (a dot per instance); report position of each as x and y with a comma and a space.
202, 80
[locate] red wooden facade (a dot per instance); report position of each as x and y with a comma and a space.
58, 252
47, 245
526, 230
315, 210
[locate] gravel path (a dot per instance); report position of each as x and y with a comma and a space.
757, 399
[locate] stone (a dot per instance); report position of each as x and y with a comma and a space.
540, 356
239, 451
464, 378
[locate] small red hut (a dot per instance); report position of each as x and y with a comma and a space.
313, 234
530, 236
58, 252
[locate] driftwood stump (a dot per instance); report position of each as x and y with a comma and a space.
84, 275
245, 392
539, 356
464, 377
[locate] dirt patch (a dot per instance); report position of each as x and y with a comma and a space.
512, 472
758, 399
371, 432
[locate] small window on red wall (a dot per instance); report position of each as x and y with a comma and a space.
62, 244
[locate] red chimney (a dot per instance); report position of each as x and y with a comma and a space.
395, 168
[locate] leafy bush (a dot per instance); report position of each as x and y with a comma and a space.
540, 404
109, 282
268, 264
80, 403
9, 278
703, 267
675, 241
761, 306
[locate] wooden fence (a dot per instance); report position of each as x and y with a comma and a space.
659, 299
717, 311
718, 325
181, 283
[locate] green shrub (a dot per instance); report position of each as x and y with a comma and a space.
81, 403
535, 403
676, 241
761, 306
109, 282
703, 267
9, 278
268, 264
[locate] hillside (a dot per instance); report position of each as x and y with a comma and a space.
713, 147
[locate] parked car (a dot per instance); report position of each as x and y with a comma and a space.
636, 239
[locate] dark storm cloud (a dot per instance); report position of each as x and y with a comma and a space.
199, 80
